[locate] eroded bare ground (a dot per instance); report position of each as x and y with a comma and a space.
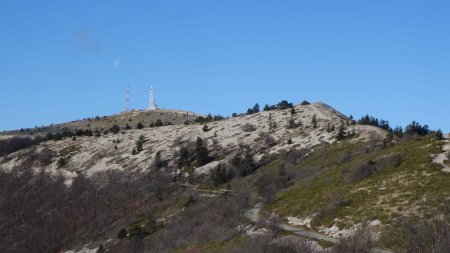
443, 158
265, 132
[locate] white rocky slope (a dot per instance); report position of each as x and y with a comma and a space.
93, 154
442, 157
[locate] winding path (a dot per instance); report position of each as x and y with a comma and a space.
253, 215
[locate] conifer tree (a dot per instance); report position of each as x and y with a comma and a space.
314, 121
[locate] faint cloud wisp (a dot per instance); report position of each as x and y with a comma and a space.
87, 42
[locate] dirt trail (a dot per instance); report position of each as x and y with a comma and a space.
253, 215
443, 156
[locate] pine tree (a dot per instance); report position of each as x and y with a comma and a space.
122, 234
139, 144
439, 134
201, 152
159, 163
139, 126
158, 123
314, 121
256, 108
253, 110
341, 133
184, 158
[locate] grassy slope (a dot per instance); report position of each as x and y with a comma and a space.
394, 190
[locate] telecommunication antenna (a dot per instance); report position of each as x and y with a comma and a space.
151, 100
127, 99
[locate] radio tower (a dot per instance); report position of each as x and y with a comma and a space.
127, 99
151, 100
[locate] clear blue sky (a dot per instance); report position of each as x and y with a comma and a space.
66, 60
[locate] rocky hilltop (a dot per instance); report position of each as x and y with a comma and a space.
302, 178
267, 132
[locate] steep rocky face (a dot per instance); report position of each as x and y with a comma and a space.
265, 133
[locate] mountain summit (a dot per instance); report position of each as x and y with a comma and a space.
302, 178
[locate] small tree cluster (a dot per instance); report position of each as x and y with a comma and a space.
330, 128
282, 105
69, 134
198, 153
416, 128
157, 123
139, 145
158, 162
254, 109
243, 161
221, 174
201, 152
293, 124
114, 129
343, 133
208, 118
372, 121
139, 125
185, 156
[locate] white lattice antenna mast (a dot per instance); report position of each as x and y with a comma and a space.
151, 100
127, 99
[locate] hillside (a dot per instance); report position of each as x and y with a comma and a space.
103, 123
89, 155
184, 186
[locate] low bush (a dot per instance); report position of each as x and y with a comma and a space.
248, 128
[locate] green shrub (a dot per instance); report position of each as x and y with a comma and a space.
139, 126
114, 129
122, 234
305, 102
62, 161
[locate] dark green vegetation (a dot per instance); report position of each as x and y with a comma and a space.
415, 128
